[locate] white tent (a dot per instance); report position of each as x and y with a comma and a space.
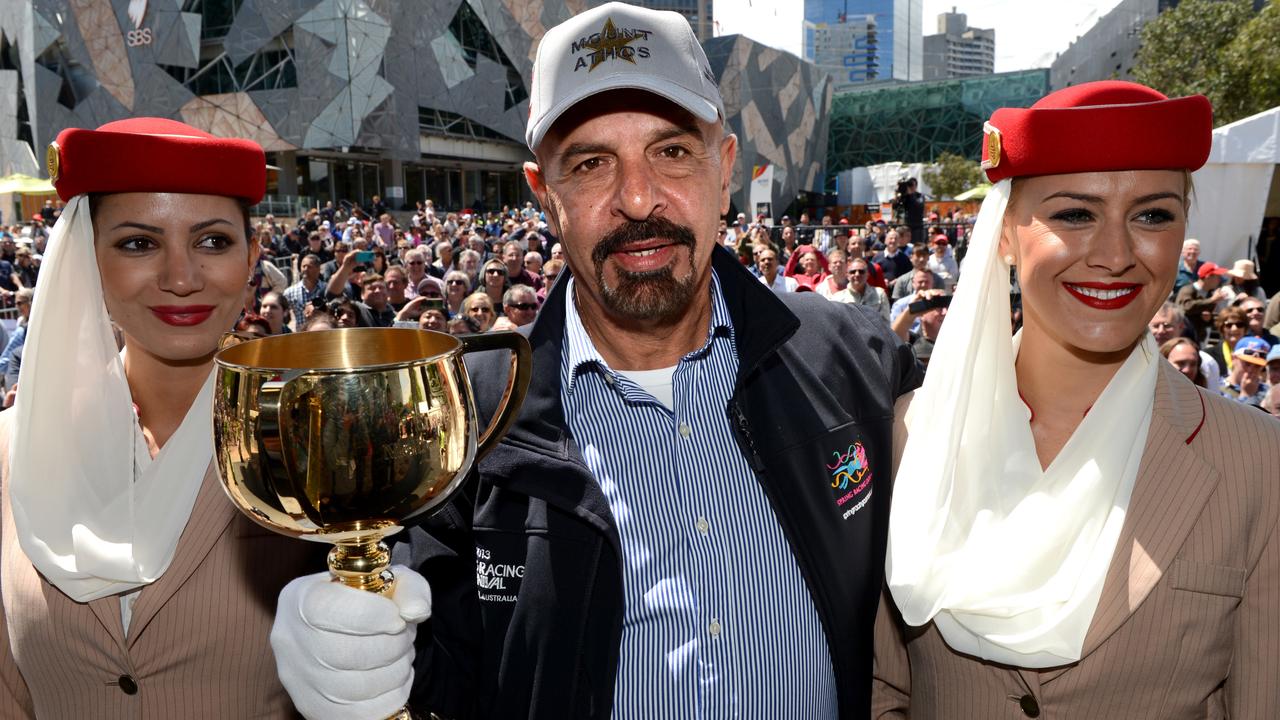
1231, 189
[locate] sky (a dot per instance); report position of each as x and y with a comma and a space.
1028, 32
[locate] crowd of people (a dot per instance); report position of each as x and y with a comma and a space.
448, 271
1219, 327
458, 272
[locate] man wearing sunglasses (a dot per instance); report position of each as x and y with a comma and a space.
520, 305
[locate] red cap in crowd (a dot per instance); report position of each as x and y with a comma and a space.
1209, 268
155, 155
1098, 126
940, 239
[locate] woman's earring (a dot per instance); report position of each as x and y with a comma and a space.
1009, 259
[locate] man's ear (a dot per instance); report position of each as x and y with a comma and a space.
728, 154
538, 184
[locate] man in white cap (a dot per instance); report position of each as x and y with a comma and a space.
687, 518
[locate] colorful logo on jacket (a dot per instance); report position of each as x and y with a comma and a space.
850, 479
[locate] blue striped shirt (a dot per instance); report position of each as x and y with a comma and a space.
718, 621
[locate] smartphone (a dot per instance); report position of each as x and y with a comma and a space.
364, 257
937, 301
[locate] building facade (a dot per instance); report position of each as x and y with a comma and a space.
350, 98
779, 106
958, 50
1107, 50
848, 50
916, 123
697, 12
899, 35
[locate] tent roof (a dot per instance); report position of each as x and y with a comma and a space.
1255, 139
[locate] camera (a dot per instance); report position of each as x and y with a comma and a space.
933, 303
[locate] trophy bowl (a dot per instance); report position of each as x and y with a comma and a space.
342, 435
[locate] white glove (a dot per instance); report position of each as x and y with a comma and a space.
347, 654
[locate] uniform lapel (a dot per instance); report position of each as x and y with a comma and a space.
209, 519
1172, 487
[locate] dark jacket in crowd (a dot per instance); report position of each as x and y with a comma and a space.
814, 377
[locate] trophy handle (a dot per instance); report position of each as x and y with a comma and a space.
517, 382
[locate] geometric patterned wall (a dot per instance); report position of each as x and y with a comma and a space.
778, 105
919, 121
327, 74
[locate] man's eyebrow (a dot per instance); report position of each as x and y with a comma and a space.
668, 133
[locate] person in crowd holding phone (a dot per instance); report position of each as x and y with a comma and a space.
1078, 530
131, 587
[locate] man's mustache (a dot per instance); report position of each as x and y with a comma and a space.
634, 232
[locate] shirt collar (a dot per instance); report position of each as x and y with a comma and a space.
580, 352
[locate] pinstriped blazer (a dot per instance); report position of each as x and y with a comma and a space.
198, 638
1188, 625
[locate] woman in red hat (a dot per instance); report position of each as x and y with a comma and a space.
1077, 530
130, 586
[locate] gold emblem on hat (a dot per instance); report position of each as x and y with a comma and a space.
611, 43
53, 161
991, 137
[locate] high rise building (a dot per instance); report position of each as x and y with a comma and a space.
698, 13
898, 31
958, 50
847, 50
1108, 49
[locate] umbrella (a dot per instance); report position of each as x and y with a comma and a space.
25, 185
977, 193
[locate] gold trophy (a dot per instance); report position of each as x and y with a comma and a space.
339, 436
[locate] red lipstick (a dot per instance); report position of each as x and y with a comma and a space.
1104, 296
183, 315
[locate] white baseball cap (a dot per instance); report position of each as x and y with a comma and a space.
619, 46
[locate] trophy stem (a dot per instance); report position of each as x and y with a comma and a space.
361, 563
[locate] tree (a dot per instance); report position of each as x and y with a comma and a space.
952, 174
1252, 66
1217, 48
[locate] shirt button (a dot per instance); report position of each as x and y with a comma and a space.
685, 430
1029, 706
608, 379
128, 685
703, 526
714, 628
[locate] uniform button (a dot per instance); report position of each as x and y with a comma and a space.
1029, 706
714, 628
128, 685
685, 430
703, 526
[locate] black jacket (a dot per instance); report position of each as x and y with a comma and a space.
525, 566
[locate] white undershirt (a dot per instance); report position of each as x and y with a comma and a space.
655, 382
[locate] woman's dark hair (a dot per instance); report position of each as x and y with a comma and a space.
249, 234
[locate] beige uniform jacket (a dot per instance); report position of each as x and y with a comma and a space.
198, 638
1188, 625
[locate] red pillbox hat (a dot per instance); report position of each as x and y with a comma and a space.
1098, 126
155, 155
